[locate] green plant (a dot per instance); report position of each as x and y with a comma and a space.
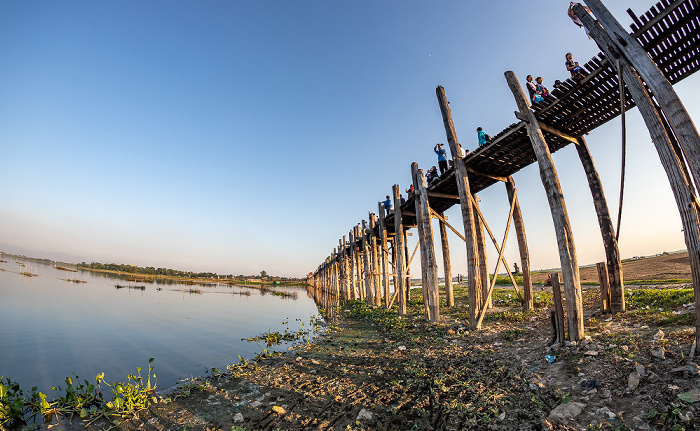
79, 398
132, 396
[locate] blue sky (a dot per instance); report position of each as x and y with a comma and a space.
240, 136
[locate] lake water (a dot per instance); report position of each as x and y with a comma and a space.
51, 327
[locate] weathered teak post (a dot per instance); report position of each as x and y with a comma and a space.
671, 105
672, 161
446, 264
604, 279
612, 252
359, 259
346, 276
385, 264
376, 285
522, 244
367, 262
352, 264
398, 250
461, 176
482, 298
427, 244
562, 227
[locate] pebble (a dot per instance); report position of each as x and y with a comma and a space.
364, 415
238, 418
658, 353
633, 380
567, 410
402, 347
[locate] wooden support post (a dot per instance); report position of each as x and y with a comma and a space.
558, 308
425, 236
462, 179
604, 286
376, 264
482, 299
353, 265
367, 262
446, 264
630, 49
360, 265
562, 227
522, 244
346, 270
399, 246
383, 252
612, 252
672, 160
408, 261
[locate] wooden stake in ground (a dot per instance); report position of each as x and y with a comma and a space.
612, 252
399, 246
604, 286
519, 226
425, 236
447, 266
367, 262
462, 178
482, 296
555, 197
558, 307
383, 252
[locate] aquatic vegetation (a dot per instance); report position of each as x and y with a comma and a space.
15, 407
79, 398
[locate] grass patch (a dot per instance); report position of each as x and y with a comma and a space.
659, 298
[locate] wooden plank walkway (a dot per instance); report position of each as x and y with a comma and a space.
669, 32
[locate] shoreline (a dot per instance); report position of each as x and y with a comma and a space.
375, 370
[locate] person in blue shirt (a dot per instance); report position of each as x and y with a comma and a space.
483, 137
387, 205
442, 158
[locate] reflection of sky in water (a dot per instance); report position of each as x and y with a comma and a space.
50, 328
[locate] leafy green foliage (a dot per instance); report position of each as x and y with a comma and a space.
79, 398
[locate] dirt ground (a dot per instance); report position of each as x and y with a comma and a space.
373, 371
666, 266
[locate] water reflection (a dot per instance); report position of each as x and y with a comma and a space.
57, 322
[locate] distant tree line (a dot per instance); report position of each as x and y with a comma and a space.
149, 270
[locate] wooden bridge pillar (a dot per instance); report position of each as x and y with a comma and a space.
462, 178
359, 260
522, 244
612, 252
383, 252
376, 264
344, 268
352, 265
427, 245
483, 299
367, 264
447, 265
562, 227
398, 251
670, 155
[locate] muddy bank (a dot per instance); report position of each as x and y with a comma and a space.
375, 370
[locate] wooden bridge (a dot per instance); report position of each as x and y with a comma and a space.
633, 69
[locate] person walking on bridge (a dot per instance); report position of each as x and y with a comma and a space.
442, 158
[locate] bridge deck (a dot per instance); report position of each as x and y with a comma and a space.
669, 32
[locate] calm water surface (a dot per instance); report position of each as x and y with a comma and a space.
51, 327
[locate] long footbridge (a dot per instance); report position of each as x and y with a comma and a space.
635, 68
